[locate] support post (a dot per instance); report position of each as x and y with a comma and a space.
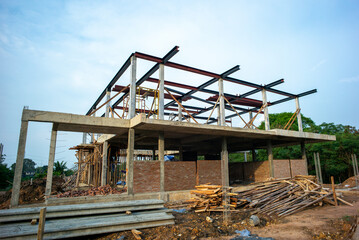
161, 158
266, 116
225, 179
299, 117
245, 156
180, 152
316, 166
270, 158
132, 104
108, 96
161, 103
221, 103
41, 227
104, 163
50, 165
129, 160
254, 155
19, 164
250, 118
92, 134
304, 155
320, 169
84, 137
180, 112
355, 169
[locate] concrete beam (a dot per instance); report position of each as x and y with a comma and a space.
19, 163
50, 165
132, 104
130, 160
161, 109
266, 116
104, 163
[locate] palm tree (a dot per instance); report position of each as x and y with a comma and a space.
60, 167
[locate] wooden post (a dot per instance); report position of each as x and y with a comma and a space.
333, 188
19, 165
50, 166
41, 228
129, 161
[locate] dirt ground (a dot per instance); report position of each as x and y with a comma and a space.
326, 222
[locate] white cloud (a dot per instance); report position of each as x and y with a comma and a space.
350, 79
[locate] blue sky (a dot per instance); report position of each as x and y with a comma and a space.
59, 55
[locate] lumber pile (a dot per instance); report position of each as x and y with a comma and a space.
103, 190
280, 197
211, 198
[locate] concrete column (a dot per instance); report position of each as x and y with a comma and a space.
104, 163
299, 117
161, 88
132, 103
304, 155
180, 112
221, 103
108, 96
180, 153
270, 158
316, 166
161, 158
50, 166
129, 160
19, 165
266, 116
250, 118
219, 114
84, 137
153, 154
245, 156
319, 169
224, 158
254, 155
92, 134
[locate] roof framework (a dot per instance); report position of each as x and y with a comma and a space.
238, 104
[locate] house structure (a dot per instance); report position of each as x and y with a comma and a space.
166, 117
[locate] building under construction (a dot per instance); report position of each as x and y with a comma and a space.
130, 126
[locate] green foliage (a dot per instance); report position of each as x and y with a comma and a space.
239, 157
28, 167
69, 172
6, 176
334, 156
59, 168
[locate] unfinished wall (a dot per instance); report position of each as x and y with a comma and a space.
209, 171
259, 171
146, 176
180, 175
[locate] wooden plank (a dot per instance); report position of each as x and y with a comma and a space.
41, 227
333, 189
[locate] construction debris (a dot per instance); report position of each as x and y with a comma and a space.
104, 190
281, 197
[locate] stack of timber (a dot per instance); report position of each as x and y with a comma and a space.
211, 198
69, 221
280, 197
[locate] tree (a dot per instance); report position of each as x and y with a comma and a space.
59, 168
28, 167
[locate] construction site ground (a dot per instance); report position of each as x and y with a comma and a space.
326, 222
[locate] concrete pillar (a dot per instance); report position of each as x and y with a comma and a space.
161, 88
161, 158
180, 112
266, 116
129, 160
225, 179
222, 114
299, 117
180, 153
84, 138
250, 118
92, 134
218, 115
270, 158
104, 163
316, 166
319, 169
108, 96
304, 155
132, 103
254, 155
245, 156
153, 154
50, 165
19, 165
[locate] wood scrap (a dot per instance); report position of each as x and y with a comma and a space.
277, 197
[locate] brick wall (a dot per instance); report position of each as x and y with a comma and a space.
259, 171
146, 176
209, 171
299, 167
180, 175
281, 168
